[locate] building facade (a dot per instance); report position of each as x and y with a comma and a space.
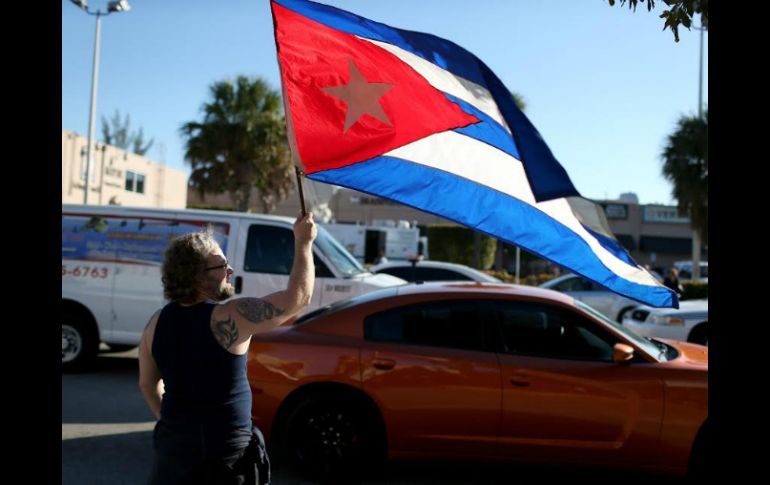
118, 177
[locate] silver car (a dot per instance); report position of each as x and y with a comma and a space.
688, 324
432, 271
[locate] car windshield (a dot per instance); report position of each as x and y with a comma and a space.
652, 347
336, 254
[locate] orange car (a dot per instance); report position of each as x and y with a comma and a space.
471, 370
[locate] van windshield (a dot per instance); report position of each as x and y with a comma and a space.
337, 255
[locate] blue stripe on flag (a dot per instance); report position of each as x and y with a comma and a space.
489, 131
612, 246
440, 52
447, 195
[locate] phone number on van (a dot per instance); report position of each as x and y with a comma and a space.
84, 271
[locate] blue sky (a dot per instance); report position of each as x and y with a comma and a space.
603, 85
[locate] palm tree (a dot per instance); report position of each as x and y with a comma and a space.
240, 144
686, 165
116, 132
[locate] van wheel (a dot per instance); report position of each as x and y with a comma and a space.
120, 348
332, 438
78, 343
699, 335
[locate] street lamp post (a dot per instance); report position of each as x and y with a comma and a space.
116, 6
696, 240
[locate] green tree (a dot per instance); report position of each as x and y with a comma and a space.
686, 165
240, 144
681, 12
117, 133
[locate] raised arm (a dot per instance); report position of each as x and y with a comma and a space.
237, 320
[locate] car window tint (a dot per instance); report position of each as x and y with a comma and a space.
439, 274
453, 324
269, 249
545, 331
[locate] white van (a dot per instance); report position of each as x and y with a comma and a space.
111, 260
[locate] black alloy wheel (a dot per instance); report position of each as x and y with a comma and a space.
330, 438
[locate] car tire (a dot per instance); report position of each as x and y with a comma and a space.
622, 313
697, 469
114, 348
699, 334
331, 437
79, 343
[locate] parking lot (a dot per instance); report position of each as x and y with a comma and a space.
107, 439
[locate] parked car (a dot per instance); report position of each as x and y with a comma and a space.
611, 304
432, 271
475, 370
689, 323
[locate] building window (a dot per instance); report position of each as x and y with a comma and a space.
130, 180
664, 214
139, 184
84, 163
134, 182
616, 211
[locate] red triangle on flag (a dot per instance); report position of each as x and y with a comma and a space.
350, 100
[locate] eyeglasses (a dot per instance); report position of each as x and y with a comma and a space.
219, 266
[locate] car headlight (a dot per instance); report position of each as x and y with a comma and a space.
667, 320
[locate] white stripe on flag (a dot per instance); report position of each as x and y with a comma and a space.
483, 164
445, 81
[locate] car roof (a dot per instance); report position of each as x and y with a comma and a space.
475, 287
442, 290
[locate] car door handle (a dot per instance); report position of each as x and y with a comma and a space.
384, 364
520, 380
238, 284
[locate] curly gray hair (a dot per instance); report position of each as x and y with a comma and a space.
184, 262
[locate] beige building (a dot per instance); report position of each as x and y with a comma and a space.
345, 205
118, 177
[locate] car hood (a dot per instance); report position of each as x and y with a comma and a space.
690, 354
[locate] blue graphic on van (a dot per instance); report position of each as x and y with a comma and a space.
132, 240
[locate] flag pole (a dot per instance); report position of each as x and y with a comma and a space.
290, 126
299, 188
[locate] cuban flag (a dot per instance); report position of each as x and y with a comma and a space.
419, 120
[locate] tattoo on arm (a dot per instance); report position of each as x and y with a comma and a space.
225, 332
256, 310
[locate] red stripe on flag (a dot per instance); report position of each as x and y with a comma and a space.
340, 126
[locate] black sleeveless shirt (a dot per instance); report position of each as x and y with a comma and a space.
207, 394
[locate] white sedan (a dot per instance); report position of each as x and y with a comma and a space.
688, 324
432, 271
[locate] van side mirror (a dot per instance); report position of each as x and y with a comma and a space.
622, 353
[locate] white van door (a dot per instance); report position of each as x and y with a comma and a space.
267, 249
141, 245
88, 264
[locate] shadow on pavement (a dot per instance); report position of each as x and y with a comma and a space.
119, 459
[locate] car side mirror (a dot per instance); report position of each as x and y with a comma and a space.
622, 353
